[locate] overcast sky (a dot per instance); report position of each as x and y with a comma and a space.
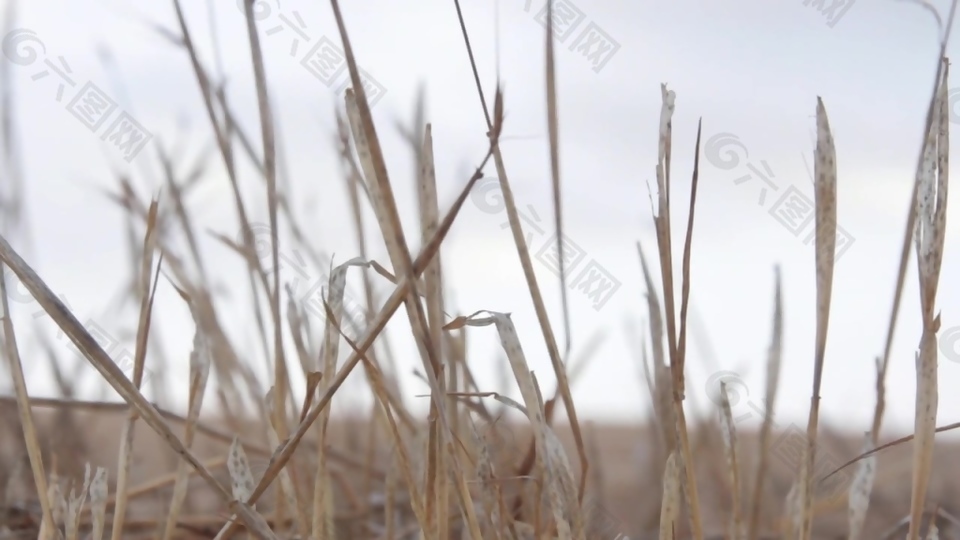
752, 70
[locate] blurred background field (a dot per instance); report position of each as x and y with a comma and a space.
625, 475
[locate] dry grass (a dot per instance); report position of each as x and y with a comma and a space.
290, 469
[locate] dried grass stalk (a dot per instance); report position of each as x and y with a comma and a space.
58, 504
677, 344
322, 524
670, 503
370, 152
99, 488
663, 395
929, 238
793, 507
860, 489
284, 453
143, 329
75, 506
199, 372
287, 485
81, 338
774, 359
553, 462
255, 523
553, 128
491, 496
825, 195
729, 432
25, 414
433, 277
494, 123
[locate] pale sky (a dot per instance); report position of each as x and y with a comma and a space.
751, 70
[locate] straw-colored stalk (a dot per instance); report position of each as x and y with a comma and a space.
729, 432
662, 395
372, 160
229, 398
143, 329
241, 486
935, 122
437, 485
25, 414
860, 488
491, 496
929, 238
281, 377
552, 460
375, 327
774, 358
793, 505
825, 199
110, 372
99, 487
553, 129
677, 343
322, 525
494, 127
287, 486
75, 506
199, 372
670, 502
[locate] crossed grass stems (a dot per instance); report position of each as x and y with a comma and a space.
452, 456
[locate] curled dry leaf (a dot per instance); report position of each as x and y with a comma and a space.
548, 451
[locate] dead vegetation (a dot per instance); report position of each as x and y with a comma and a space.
466, 471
